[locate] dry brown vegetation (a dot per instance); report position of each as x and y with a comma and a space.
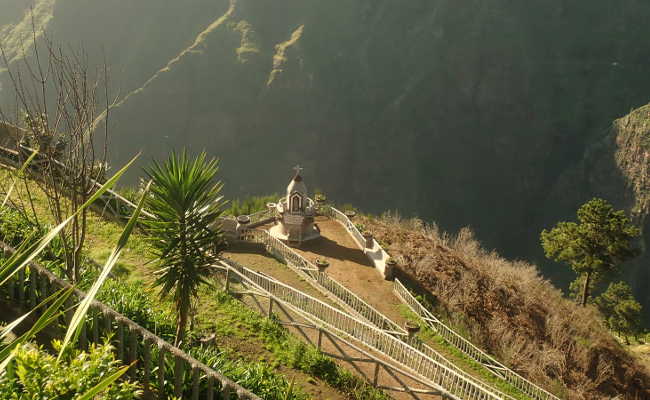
508, 309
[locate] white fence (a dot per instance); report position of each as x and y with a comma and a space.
469, 349
439, 370
376, 254
308, 270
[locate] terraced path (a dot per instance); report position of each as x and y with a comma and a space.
350, 266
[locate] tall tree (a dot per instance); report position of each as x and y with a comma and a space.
185, 200
595, 246
621, 310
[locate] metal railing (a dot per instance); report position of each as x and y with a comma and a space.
385, 375
433, 366
469, 349
132, 342
304, 267
342, 218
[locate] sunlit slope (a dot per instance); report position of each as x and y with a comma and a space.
461, 112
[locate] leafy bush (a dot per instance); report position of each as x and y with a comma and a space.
34, 374
132, 300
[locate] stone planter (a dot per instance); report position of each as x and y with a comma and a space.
411, 328
370, 239
320, 199
243, 220
242, 223
389, 269
350, 214
322, 264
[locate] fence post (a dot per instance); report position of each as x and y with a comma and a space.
11, 289
226, 390
178, 376
376, 375
108, 323
96, 320
210, 387
133, 350
195, 382
43, 286
161, 372
227, 285
270, 306
320, 337
32, 287
146, 362
21, 286
120, 341
83, 337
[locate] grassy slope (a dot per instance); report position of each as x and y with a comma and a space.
509, 310
236, 327
133, 266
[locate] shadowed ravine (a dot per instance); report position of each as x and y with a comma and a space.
491, 115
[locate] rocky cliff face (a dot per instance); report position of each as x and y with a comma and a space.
616, 167
466, 113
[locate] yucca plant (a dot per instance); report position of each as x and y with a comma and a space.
185, 199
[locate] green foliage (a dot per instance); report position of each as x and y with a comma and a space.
34, 374
292, 352
184, 200
596, 245
258, 377
250, 205
621, 311
132, 300
14, 227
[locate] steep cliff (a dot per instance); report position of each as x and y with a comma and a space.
466, 113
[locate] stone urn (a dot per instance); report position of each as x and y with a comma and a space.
411, 328
322, 264
370, 239
243, 220
242, 223
350, 214
389, 269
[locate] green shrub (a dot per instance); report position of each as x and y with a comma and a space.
132, 300
34, 374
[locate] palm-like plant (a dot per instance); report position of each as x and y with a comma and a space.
184, 201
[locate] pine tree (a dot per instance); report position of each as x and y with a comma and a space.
621, 311
593, 247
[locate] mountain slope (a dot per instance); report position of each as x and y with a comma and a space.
461, 112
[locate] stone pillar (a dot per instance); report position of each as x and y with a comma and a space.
411, 328
389, 269
322, 265
242, 224
370, 239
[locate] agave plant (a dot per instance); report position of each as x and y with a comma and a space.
184, 201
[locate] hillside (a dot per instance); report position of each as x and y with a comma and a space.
465, 113
511, 311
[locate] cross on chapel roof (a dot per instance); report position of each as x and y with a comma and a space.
297, 177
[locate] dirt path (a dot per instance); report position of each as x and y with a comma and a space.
254, 256
350, 267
